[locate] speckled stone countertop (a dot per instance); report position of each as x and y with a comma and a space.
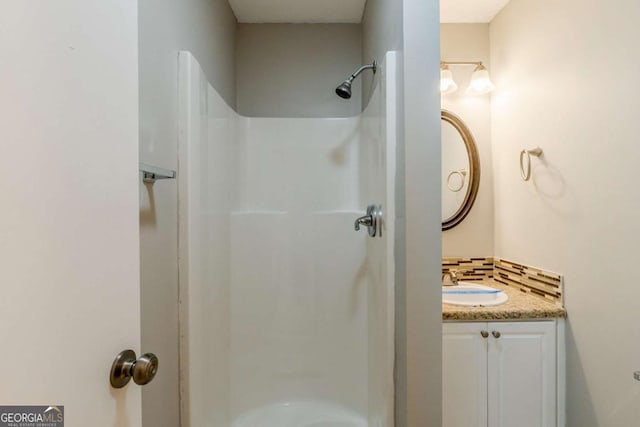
520, 306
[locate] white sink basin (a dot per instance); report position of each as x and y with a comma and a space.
473, 295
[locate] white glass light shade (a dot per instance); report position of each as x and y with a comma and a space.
480, 82
447, 84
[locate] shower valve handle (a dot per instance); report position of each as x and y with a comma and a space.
366, 220
372, 220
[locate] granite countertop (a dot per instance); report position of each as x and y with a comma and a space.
520, 306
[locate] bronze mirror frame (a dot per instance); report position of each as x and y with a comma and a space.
474, 170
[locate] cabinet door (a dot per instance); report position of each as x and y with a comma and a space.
464, 375
522, 374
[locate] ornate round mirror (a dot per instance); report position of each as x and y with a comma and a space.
460, 170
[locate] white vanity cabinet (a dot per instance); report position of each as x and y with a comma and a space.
503, 374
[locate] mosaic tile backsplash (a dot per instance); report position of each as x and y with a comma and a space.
540, 283
469, 268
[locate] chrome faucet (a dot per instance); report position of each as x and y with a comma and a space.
372, 220
366, 220
452, 275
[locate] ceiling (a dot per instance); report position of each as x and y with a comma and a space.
350, 11
298, 11
470, 11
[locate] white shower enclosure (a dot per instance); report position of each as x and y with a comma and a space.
286, 310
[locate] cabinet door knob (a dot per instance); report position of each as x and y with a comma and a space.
496, 334
484, 334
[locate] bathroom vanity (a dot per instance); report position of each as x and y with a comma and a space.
503, 366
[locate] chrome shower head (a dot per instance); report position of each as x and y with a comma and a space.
344, 90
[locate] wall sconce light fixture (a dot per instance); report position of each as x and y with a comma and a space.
480, 83
447, 84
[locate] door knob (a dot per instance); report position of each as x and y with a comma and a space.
484, 334
496, 334
126, 366
636, 375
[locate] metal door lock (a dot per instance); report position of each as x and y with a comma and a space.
127, 366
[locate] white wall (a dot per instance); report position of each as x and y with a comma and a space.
165, 27
419, 376
381, 33
412, 28
566, 74
292, 70
470, 42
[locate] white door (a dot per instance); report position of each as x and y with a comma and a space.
522, 374
69, 262
464, 374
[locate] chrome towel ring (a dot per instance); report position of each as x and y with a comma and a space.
526, 172
463, 174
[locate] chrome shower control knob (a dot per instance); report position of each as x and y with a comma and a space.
366, 220
372, 220
126, 366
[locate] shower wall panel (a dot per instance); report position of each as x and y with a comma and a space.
300, 164
208, 157
287, 310
298, 305
378, 173
298, 313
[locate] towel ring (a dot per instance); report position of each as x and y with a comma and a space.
536, 152
463, 175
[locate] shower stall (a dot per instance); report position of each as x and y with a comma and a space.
286, 311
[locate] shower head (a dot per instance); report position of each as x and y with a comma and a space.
344, 90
